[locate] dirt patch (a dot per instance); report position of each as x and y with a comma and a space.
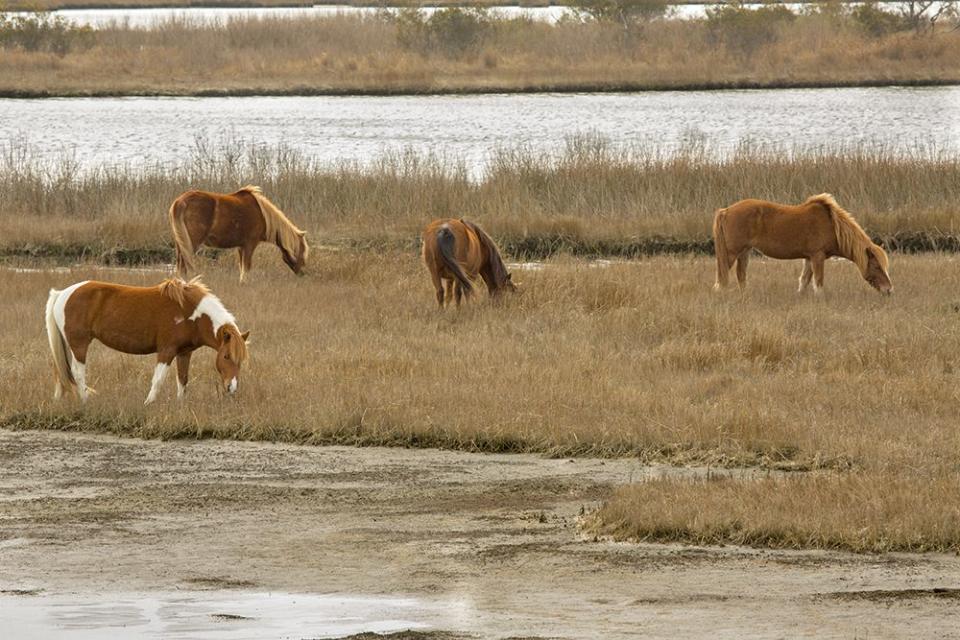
491, 540
896, 595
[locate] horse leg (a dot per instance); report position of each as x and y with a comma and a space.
243, 267
79, 367
817, 262
805, 276
742, 261
458, 293
448, 292
438, 287
183, 373
159, 373
246, 260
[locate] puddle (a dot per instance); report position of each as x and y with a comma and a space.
236, 615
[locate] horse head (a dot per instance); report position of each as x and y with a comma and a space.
876, 272
296, 262
231, 353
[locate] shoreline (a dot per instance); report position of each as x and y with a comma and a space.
584, 88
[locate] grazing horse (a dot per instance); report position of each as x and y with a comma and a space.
242, 219
171, 319
455, 251
815, 230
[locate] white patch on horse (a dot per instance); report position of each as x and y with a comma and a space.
181, 389
211, 307
159, 373
60, 305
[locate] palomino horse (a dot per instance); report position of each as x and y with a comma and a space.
243, 220
815, 230
171, 319
455, 251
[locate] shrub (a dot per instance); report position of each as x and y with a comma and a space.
742, 30
876, 22
625, 12
41, 31
451, 31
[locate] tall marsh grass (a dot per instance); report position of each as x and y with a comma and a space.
590, 198
467, 50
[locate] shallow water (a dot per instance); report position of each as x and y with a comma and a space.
209, 615
144, 131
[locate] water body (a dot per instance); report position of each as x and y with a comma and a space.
148, 17
237, 615
137, 132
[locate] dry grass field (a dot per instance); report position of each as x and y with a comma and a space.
625, 359
383, 54
591, 200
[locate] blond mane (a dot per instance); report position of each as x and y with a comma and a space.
186, 294
852, 240
279, 229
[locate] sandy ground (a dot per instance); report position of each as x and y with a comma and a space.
464, 544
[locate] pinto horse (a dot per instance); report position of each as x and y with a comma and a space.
815, 230
239, 220
171, 319
456, 251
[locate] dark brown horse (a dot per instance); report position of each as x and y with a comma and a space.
455, 252
240, 220
813, 231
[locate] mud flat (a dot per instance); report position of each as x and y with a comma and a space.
217, 538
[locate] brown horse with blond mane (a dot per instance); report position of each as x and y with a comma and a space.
172, 319
240, 220
455, 252
814, 231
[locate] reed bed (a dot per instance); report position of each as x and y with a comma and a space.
636, 358
472, 52
590, 199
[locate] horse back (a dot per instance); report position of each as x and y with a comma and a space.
128, 319
779, 230
222, 220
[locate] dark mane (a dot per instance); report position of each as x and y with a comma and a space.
497, 268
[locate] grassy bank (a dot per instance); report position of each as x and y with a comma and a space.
637, 359
591, 200
864, 512
466, 51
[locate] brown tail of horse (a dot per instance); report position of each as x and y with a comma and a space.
720, 248
445, 242
58, 347
181, 237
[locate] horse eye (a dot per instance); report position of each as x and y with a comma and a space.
227, 357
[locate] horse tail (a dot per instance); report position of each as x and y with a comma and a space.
181, 237
720, 248
62, 358
446, 242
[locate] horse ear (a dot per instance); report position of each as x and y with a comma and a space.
245, 335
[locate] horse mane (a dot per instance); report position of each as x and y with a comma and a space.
186, 294
853, 241
500, 274
279, 229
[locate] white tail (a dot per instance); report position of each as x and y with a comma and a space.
62, 358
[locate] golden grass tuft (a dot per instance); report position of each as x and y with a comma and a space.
854, 512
